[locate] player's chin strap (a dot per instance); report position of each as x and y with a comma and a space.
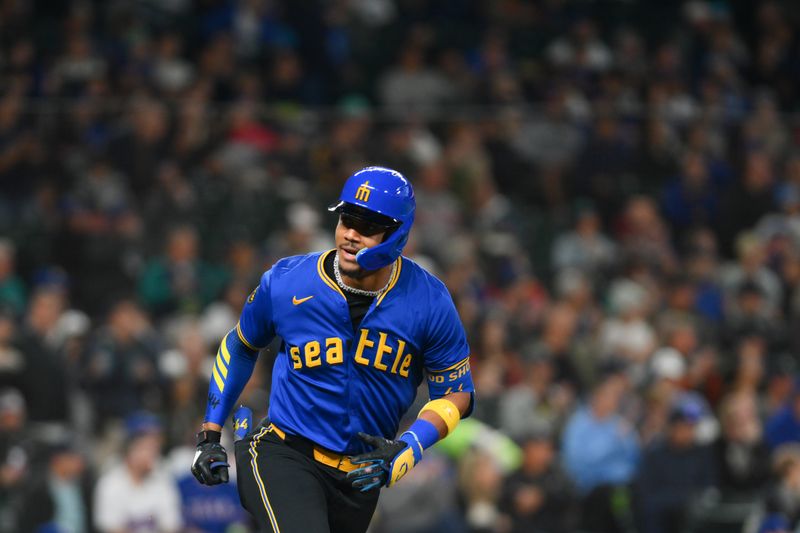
392, 459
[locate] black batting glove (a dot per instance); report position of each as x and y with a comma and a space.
384, 465
210, 465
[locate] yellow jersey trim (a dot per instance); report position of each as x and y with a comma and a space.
261, 489
321, 271
332, 284
241, 338
455, 366
392, 281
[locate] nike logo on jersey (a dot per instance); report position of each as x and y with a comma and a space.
298, 301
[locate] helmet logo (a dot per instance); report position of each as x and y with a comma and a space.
363, 192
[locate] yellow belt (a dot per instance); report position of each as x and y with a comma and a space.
321, 455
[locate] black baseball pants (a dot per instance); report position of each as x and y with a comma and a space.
287, 491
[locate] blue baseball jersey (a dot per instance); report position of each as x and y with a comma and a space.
330, 381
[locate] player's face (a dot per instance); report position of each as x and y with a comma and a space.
353, 234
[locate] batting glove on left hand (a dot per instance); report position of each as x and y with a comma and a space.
210, 465
386, 464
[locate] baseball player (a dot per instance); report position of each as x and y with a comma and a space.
360, 326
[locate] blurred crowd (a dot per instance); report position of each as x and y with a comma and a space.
609, 189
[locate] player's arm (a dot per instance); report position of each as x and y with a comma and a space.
390, 460
451, 390
461, 400
233, 366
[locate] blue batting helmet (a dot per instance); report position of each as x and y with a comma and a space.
384, 197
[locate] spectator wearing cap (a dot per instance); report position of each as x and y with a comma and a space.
539, 496
675, 470
138, 494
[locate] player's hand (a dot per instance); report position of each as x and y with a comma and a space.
385, 465
210, 465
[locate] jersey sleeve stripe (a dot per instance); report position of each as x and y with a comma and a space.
218, 379
241, 338
453, 367
224, 350
223, 370
321, 271
392, 282
261, 489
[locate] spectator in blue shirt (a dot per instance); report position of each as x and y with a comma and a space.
599, 446
600, 452
784, 425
